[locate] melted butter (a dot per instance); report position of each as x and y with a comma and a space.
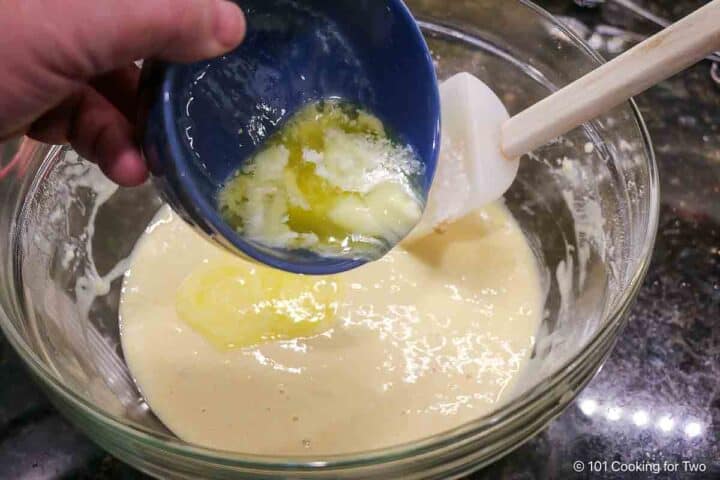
330, 181
235, 304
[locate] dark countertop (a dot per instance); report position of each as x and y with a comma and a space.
656, 402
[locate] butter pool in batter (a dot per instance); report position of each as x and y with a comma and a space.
428, 338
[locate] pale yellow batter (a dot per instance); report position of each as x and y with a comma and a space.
424, 340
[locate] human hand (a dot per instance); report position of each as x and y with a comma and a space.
67, 73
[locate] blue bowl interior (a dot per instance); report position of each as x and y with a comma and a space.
368, 52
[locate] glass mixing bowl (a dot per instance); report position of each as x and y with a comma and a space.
588, 203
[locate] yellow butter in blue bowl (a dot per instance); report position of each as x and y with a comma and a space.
331, 181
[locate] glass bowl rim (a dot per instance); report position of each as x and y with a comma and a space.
497, 419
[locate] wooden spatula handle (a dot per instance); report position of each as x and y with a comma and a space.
654, 60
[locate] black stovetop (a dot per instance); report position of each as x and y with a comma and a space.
655, 405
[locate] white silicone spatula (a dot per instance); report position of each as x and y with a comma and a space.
482, 145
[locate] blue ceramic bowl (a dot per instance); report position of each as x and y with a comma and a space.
200, 121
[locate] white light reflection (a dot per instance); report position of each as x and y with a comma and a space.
614, 414
588, 406
666, 424
640, 418
693, 429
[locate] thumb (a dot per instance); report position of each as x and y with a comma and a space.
50, 48
89, 38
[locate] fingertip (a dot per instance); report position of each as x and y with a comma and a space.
230, 25
126, 168
100, 133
